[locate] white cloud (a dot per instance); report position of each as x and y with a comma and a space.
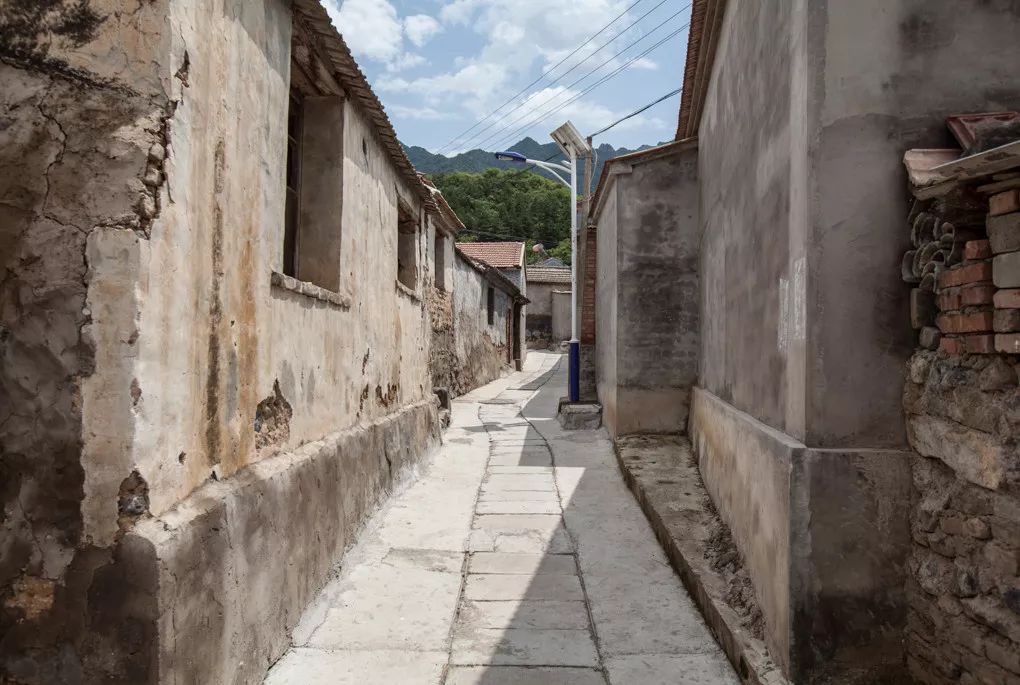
422, 113
370, 27
407, 60
420, 28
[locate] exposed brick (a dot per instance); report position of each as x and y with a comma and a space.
977, 249
1008, 343
972, 322
977, 295
1006, 320
978, 272
1004, 233
1006, 270
979, 344
1007, 299
952, 345
950, 299
1004, 202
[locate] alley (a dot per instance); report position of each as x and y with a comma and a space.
517, 557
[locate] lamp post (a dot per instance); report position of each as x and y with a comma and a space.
574, 146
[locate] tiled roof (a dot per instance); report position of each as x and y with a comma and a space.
549, 274
706, 23
499, 255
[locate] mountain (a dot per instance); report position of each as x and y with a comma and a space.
479, 160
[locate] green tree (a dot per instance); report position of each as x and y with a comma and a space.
510, 205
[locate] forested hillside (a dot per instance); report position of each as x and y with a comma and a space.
511, 205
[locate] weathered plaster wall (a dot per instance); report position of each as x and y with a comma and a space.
145, 351
481, 348
539, 318
79, 141
649, 233
561, 300
606, 306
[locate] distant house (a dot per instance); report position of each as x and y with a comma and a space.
508, 258
548, 318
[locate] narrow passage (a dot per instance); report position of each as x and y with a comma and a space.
516, 557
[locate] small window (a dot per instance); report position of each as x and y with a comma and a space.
293, 183
440, 259
313, 180
490, 305
407, 246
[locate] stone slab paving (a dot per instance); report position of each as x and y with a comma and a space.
517, 557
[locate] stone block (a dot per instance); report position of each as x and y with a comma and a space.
975, 456
978, 272
1007, 299
969, 322
580, 416
977, 249
1008, 343
1006, 270
1006, 320
930, 337
990, 612
1004, 233
1004, 202
922, 308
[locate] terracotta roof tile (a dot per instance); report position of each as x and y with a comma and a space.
499, 255
549, 274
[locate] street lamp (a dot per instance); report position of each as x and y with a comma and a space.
574, 146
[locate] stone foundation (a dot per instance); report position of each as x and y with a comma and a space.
219, 581
964, 621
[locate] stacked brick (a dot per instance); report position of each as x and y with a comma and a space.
1004, 244
974, 306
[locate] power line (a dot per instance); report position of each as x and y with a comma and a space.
552, 98
559, 78
593, 86
636, 112
544, 74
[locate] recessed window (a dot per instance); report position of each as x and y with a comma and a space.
407, 246
440, 260
314, 182
490, 305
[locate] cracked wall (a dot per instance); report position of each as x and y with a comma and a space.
141, 218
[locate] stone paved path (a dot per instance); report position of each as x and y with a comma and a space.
516, 557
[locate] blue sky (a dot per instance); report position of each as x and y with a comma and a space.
441, 66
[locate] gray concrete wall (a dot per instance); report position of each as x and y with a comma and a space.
807, 116
649, 235
606, 305
539, 315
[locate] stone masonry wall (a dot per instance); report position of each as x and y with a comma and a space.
963, 420
964, 621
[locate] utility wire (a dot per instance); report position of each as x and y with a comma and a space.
545, 73
559, 78
593, 86
552, 98
636, 112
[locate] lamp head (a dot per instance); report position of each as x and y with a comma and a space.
508, 156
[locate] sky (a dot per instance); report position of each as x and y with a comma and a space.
441, 67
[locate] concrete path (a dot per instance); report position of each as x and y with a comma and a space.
516, 557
